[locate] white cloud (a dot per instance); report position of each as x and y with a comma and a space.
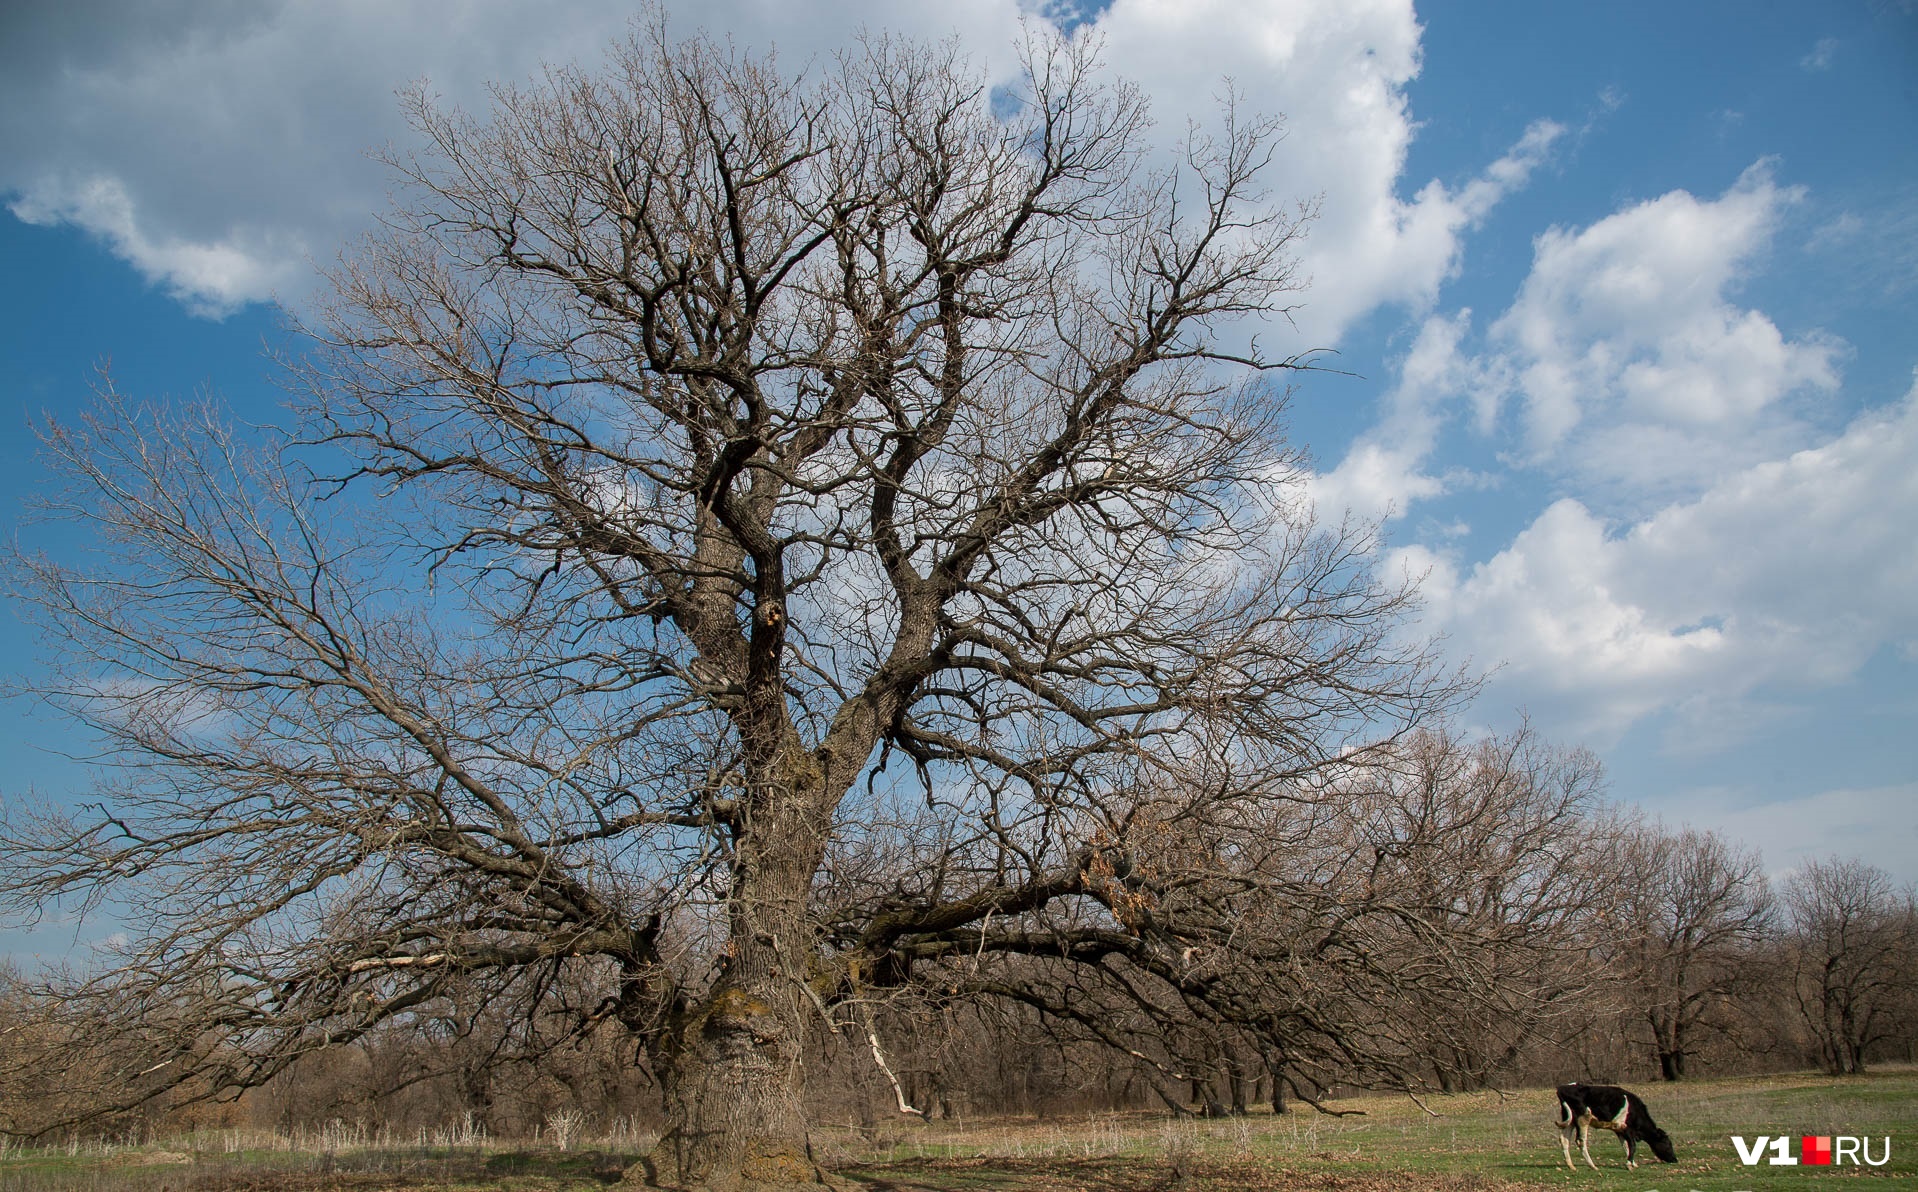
1510, 172
1717, 553
212, 147
1877, 825
1337, 71
1635, 376
216, 145
1377, 480
210, 278
1784, 576
1821, 55
1635, 369
1387, 468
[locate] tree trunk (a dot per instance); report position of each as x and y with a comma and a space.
735, 1123
735, 1120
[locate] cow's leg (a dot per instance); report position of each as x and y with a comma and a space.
1585, 1144
1565, 1142
1631, 1152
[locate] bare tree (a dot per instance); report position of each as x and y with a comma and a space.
1855, 945
1688, 913
790, 534
1482, 843
1405, 922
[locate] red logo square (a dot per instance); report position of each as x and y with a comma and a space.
1815, 1150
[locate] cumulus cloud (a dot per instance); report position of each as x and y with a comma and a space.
1632, 373
1634, 367
1785, 575
217, 145
1337, 70
1716, 549
1388, 467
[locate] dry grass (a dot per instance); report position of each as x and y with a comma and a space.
1483, 1142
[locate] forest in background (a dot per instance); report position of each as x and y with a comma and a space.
1663, 954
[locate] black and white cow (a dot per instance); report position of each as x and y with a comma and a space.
1582, 1106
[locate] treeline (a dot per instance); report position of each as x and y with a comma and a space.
1448, 916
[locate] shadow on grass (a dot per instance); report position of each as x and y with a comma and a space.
1146, 1175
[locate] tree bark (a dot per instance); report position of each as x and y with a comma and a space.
1667, 1036
735, 1122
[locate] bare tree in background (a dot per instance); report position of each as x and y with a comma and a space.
1854, 944
1412, 921
1479, 845
1689, 913
792, 533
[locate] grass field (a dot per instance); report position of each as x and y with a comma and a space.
1479, 1143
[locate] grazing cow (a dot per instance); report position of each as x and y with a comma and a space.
1582, 1106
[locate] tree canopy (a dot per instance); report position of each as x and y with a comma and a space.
764, 539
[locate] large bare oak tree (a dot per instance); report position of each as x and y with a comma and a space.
754, 536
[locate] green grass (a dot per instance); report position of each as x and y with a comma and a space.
1515, 1139
1486, 1138
1482, 1142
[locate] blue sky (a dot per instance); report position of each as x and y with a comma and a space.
1627, 292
